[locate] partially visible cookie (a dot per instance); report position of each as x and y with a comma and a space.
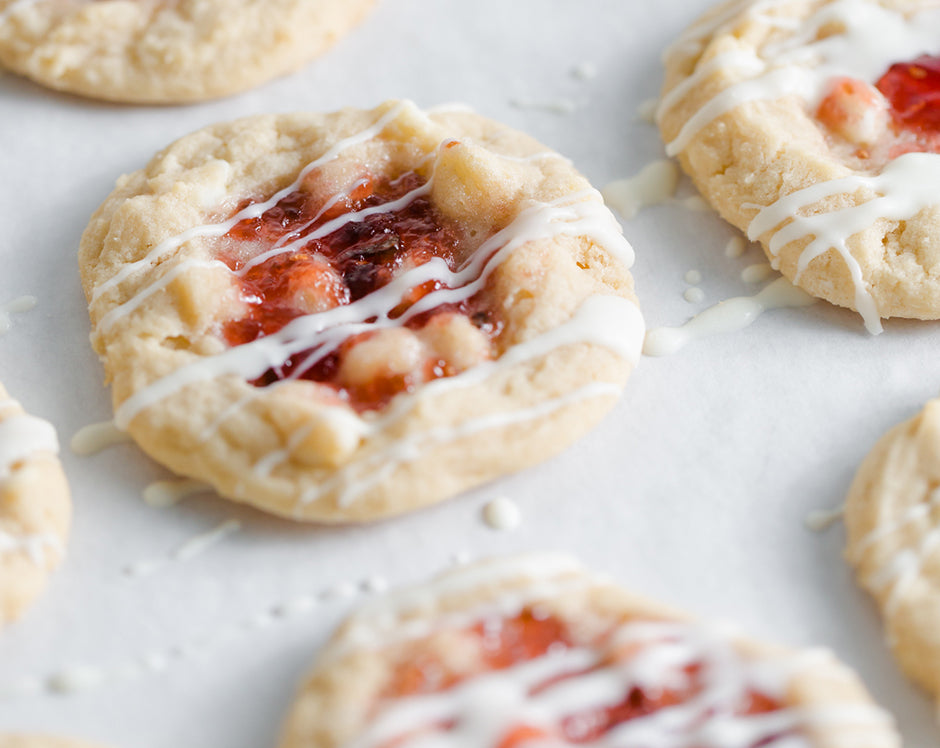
893, 521
165, 51
34, 506
42, 741
814, 126
533, 649
345, 316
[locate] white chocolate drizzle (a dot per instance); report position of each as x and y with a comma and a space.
727, 316
822, 519
17, 306
854, 38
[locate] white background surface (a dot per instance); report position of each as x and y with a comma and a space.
694, 489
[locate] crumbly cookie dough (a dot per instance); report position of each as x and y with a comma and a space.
35, 508
893, 520
464, 299
772, 109
166, 51
533, 647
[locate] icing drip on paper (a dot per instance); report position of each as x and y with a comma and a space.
186, 551
552, 106
502, 513
17, 306
163, 494
727, 316
81, 677
822, 520
654, 184
867, 40
97, 437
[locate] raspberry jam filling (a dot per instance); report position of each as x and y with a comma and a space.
334, 257
913, 91
509, 642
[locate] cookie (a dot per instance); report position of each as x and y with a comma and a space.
344, 316
41, 741
34, 506
813, 126
535, 649
892, 518
156, 51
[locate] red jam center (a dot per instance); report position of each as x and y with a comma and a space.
360, 256
528, 636
913, 91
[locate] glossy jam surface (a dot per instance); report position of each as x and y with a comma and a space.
514, 641
337, 252
913, 92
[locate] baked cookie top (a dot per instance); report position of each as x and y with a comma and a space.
34, 506
165, 51
893, 520
349, 315
813, 125
535, 649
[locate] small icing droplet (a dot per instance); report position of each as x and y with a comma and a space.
693, 277
757, 273
727, 316
502, 513
655, 184
293, 607
647, 111
166, 493
186, 551
694, 202
461, 558
736, 247
584, 71
96, 437
694, 295
824, 519
75, 679
21, 304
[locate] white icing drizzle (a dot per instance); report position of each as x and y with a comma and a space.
726, 316
654, 184
186, 551
163, 494
735, 247
757, 273
823, 519
552, 106
906, 185
18, 305
23, 436
646, 112
868, 38
502, 513
904, 566
97, 437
